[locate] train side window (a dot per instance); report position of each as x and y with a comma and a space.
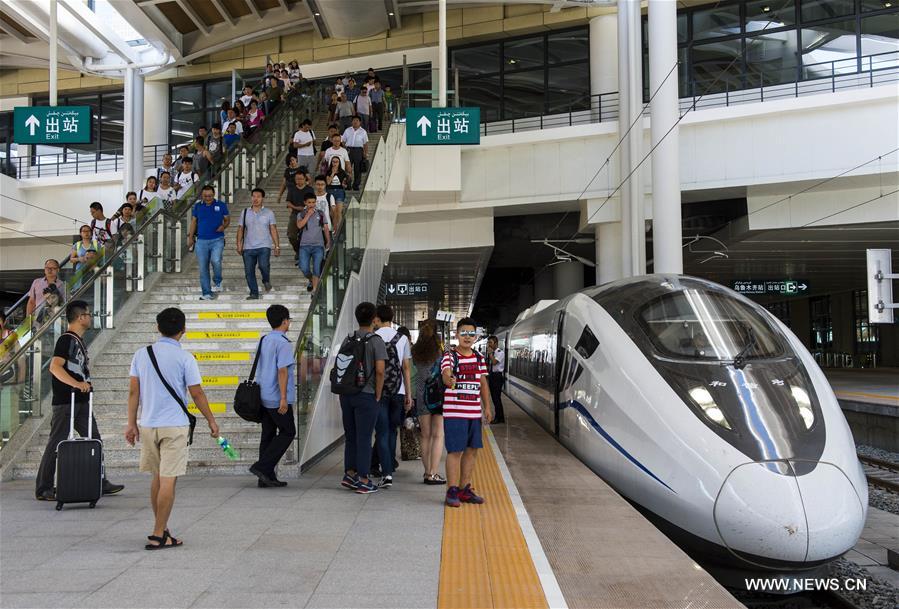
587, 343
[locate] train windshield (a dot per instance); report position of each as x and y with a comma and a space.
700, 324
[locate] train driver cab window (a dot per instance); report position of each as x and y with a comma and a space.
696, 324
587, 343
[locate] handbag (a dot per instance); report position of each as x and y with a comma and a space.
248, 397
190, 418
363, 165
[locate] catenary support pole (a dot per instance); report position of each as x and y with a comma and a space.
666, 202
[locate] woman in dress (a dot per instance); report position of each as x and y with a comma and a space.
426, 352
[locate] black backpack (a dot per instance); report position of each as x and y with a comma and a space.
348, 375
393, 368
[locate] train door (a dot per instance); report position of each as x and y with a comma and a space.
557, 370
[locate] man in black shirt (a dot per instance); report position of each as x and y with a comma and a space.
293, 167
296, 196
70, 373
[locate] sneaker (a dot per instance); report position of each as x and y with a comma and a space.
217, 288
309, 287
207, 297
366, 488
111, 489
46, 495
386, 482
452, 497
350, 482
468, 495
253, 297
267, 286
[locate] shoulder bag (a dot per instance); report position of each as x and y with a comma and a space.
248, 397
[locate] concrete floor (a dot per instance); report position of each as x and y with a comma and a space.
312, 544
881, 532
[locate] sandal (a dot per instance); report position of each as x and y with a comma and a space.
161, 542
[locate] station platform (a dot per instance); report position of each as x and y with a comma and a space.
551, 534
869, 398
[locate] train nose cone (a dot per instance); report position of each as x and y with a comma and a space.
759, 514
764, 515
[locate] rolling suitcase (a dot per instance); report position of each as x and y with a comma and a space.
79, 464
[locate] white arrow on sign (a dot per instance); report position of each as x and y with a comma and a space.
391, 288
423, 124
32, 123
802, 286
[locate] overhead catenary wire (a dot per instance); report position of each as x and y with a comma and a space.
851, 207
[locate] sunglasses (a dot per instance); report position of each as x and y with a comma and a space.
468, 333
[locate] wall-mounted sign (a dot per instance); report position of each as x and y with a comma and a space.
779, 287
414, 288
445, 316
52, 125
435, 126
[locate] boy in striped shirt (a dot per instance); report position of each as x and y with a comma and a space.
464, 373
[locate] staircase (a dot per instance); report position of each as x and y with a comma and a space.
224, 359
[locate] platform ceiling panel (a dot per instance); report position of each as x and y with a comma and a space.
177, 17
207, 12
237, 8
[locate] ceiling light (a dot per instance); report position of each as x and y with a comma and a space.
390, 14
317, 14
766, 9
512, 61
887, 4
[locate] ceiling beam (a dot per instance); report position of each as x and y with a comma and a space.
190, 12
88, 19
254, 8
392, 6
284, 5
318, 23
223, 11
10, 30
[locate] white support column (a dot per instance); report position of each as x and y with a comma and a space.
635, 139
624, 157
666, 202
54, 53
608, 252
134, 130
604, 79
441, 53
156, 124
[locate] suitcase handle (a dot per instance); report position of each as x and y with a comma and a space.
90, 416
72, 418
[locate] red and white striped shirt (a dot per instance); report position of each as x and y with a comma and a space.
464, 400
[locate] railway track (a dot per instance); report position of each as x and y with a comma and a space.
880, 473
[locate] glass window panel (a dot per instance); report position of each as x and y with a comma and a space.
523, 94
569, 88
569, 46
183, 127
812, 10
483, 92
682, 32
187, 97
769, 14
771, 58
217, 92
878, 5
523, 53
829, 49
112, 121
880, 34
683, 73
717, 67
484, 59
716, 21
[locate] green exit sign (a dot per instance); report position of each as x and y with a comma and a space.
436, 126
52, 125
780, 287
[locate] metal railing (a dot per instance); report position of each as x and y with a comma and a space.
344, 258
809, 79
158, 244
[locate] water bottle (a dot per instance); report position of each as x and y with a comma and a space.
229, 450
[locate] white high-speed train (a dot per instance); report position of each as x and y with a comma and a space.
703, 410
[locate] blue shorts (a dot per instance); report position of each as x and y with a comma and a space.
314, 255
460, 434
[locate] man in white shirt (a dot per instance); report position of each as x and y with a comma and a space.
356, 140
303, 141
247, 96
186, 178
337, 150
165, 192
496, 361
103, 229
232, 118
392, 407
167, 165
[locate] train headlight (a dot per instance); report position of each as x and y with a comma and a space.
710, 409
804, 403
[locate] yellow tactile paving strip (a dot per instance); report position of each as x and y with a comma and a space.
485, 562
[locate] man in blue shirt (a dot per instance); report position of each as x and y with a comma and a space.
208, 224
164, 426
276, 375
